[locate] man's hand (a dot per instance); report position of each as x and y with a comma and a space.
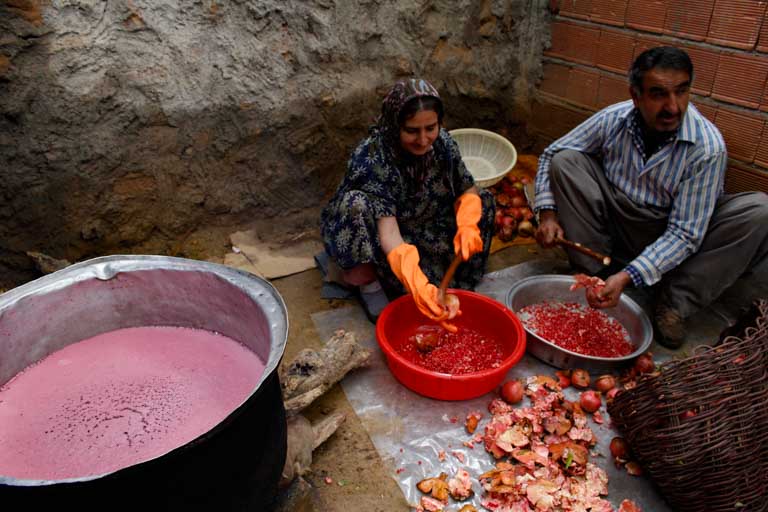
609, 296
549, 228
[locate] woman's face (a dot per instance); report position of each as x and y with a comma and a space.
419, 132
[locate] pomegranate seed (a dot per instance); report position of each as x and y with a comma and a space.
577, 328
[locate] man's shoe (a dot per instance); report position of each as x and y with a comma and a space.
373, 299
669, 327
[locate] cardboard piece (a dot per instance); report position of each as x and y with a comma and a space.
271, 261
240, 262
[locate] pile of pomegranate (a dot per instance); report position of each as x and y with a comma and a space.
513, 214
543, 450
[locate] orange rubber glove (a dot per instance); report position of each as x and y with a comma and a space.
469, 208
404, 261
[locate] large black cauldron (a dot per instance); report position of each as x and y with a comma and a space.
234, 466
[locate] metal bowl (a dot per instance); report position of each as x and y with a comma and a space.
532, 290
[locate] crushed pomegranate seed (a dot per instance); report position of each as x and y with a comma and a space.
577, 328
465, 351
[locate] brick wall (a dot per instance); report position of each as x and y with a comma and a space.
593, 43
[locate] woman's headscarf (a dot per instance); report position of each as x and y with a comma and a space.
388, 128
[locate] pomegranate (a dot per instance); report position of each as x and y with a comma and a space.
590, 401
518, 202
633, 468
512, 391
526, 229
507, 231
619, 448
580, 378
605, 383
564, 378
497, 218
503, 199
644, 363
452, 305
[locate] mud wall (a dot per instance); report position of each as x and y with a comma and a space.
127, 124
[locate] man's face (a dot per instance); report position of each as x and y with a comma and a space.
664, 98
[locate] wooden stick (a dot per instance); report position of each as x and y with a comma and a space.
605, 260
448, 276
444, 286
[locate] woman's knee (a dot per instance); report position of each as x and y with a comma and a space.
360, 274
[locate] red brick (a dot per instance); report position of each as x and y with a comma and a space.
577, 43
689, 18
736, 23
705, 63
554, 121
610, 12
615, 51
646, 43
579, 9
739, 179
741, 132
582, 87
612, 90
647, 15
762, 41
555, 79
764, 103
761, 157
740, 79
707, 110
559, 33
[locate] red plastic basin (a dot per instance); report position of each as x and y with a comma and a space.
489, 318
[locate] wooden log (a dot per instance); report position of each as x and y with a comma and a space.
313, 372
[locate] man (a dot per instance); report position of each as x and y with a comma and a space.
643, 180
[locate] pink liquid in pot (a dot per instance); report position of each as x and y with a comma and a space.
119, 398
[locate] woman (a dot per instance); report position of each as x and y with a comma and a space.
406, 205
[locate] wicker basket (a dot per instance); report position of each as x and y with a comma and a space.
699, 426
487, 155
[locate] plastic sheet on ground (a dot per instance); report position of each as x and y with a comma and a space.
410, 431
